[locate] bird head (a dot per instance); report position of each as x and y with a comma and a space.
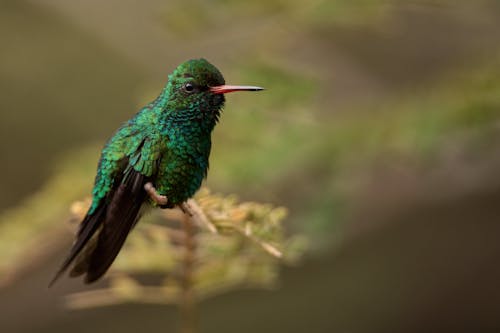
197, 84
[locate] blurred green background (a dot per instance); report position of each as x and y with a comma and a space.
379, 130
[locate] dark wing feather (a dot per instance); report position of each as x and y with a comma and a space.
102, 234
121, 216
87, 229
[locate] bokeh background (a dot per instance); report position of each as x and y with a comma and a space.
379, 131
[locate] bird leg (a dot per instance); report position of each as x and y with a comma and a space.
186, 209
160, 200
191, 208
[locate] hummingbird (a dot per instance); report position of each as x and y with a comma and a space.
158, 158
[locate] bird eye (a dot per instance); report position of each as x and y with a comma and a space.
189, 87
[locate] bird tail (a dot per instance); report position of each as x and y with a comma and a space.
102, 234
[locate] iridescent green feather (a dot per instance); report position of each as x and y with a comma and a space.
168, 140
166, 145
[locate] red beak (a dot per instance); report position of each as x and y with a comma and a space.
224, 89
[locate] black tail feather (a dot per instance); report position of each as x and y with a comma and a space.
113, 220
121, 216
88, 227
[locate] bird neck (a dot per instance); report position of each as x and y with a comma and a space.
200, 115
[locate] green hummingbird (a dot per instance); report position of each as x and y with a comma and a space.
157, 158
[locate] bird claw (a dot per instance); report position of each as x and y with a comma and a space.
194, 211
190, 207
186, 209
160, 200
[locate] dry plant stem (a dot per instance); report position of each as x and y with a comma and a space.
266, 246
192, 208
188, 299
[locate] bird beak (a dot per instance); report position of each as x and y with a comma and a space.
224, 89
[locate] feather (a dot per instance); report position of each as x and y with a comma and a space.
121, 215
102, 234
87, 229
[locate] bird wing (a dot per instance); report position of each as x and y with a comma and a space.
121, 215
118, 196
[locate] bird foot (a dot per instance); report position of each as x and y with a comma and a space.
191, 208
160, 200
186, 209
